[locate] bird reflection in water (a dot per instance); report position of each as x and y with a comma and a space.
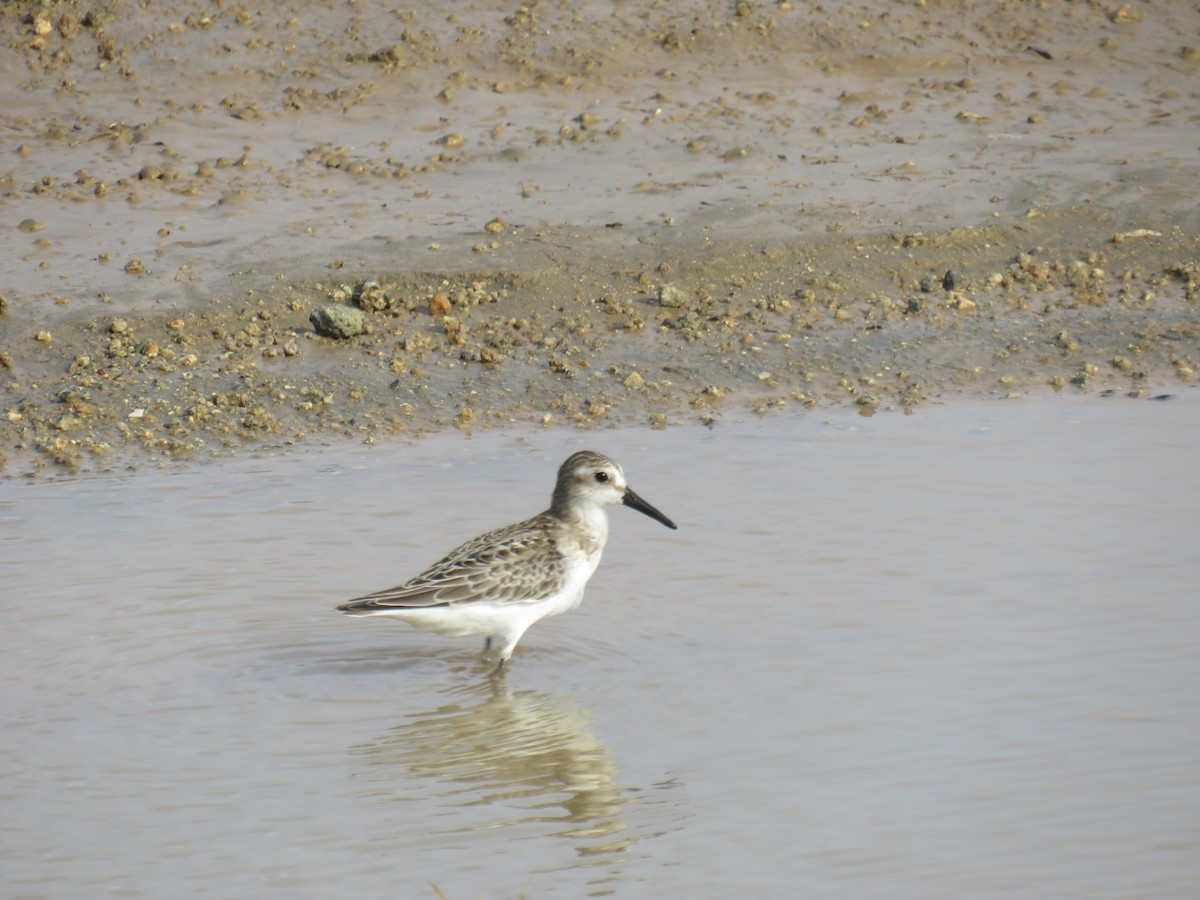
531, 755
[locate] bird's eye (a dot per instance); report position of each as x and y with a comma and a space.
602, 477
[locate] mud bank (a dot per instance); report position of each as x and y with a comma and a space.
551, 216
652, 334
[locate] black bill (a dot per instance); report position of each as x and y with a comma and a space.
633, 501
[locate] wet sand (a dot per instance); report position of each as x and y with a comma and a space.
682, 214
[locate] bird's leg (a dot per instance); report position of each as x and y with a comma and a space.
500, 649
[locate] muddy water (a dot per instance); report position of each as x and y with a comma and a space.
941, 655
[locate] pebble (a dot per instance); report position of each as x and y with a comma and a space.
671, 296
335, 320
439, 304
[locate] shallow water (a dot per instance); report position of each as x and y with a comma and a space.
944, 655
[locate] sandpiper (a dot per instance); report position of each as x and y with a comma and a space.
500, 583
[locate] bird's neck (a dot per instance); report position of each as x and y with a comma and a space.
590, 522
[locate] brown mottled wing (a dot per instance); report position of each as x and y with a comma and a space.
511, 564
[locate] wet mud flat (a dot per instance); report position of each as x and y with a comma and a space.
551, 215
668, 338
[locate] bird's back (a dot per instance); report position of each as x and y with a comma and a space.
519, 562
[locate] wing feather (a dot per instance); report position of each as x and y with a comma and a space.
516, 563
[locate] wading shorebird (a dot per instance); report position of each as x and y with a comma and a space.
502, 582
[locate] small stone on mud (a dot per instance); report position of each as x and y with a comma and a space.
338, 321
495, 226
671, 296
1136, 233
372, 297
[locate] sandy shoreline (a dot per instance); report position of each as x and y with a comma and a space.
697, 215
